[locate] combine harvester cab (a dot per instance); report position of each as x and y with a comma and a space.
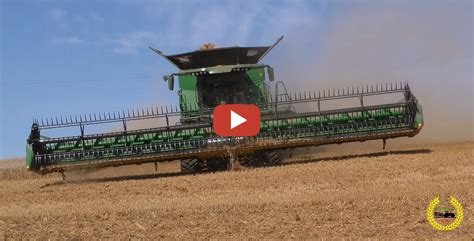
210, 77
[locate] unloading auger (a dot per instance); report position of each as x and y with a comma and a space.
212, 76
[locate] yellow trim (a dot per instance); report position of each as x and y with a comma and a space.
451, 226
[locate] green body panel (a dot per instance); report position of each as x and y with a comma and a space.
419, 116
188, 92
29, 156
257, 76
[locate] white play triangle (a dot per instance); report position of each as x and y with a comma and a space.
236, 120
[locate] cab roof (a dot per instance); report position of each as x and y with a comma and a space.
218, 56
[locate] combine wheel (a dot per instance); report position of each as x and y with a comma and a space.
267, 158
191, 165
271, 158
198, 165
217, 164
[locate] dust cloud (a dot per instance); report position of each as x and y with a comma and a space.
427, 43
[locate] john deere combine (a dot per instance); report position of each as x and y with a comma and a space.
209, 77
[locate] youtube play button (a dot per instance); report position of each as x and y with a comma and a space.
236, 120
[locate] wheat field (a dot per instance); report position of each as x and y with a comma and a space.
336, 193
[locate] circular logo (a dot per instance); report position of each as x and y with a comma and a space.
444, 218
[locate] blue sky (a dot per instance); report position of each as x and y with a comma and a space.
68, 57
79, 57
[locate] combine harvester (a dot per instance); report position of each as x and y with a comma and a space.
209, 77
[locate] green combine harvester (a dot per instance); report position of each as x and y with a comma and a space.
209, 77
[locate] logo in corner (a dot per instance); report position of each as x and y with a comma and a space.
444, 218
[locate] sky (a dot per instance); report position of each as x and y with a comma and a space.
60, 58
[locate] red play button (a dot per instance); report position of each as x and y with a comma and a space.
236, 120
